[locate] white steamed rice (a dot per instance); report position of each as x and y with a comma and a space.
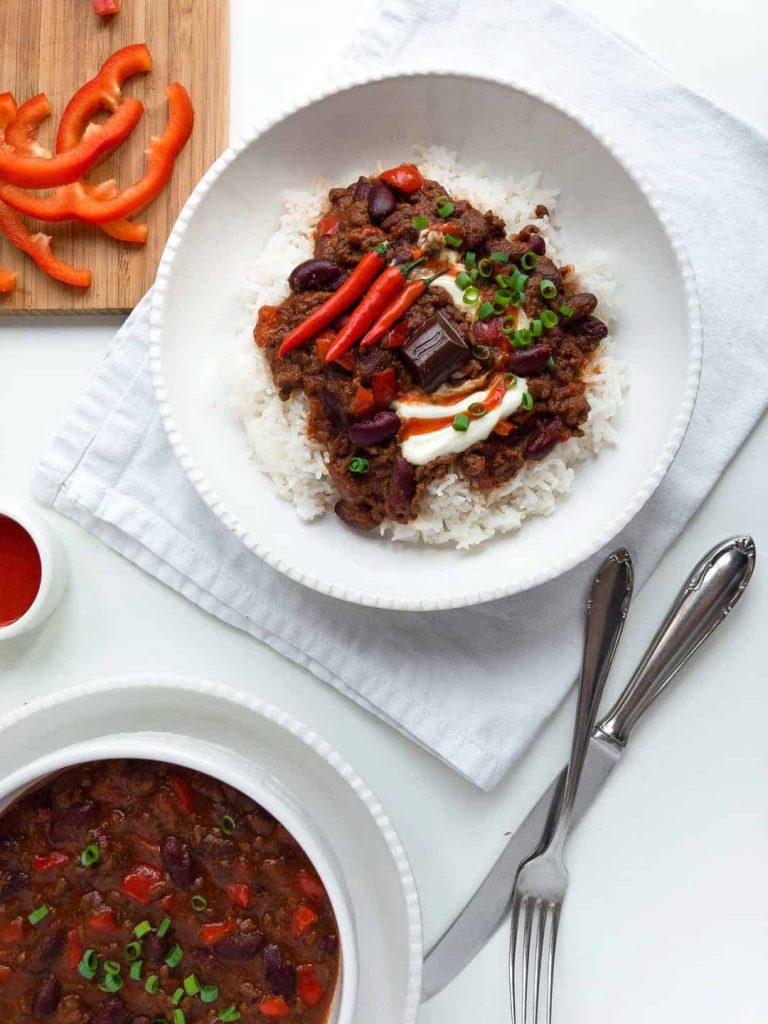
452, 511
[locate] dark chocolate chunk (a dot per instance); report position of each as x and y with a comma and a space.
437, 351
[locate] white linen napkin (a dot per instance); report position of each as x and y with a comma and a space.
474, 685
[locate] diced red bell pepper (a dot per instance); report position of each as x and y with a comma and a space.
103, 922
49, 861
384, 385
139, 883
406, 178
7, 281
274, 1006
265, 321
311, 886
211, 933
504, 428
38, 246
397, 337
5, 972
76, 949
363, 403
329, 224
310, 989
105, 7
303, 917
12, 931
184, 793
324, 342
167, 903
239, 894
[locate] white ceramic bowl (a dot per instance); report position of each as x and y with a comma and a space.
604, 205
229, 767
53, 567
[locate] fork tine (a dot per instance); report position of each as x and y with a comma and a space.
516, 909
529, 909
551, 969
542, 908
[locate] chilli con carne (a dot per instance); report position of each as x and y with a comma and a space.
136, 892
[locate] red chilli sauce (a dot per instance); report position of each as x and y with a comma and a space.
20, 571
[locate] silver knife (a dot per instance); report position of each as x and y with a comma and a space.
713, 589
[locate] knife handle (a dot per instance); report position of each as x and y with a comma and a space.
713, 589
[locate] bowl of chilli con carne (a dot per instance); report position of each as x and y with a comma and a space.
145, 879
433, 360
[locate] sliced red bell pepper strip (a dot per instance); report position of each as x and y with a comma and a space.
274, 1006
139, 883
239, 894
381, 293
310, 989
329, 224
406, 178
105, 7
369, 267
42, 172
49, 861
363, 403
214, 932
8, 109
398, 308
74, 202
384, 387
76, 949
7, 281
310, 885
183, 792
103, 922
38, 246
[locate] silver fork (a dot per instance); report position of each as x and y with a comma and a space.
542, 879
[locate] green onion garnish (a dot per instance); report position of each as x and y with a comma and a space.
445, 210
463, 281
550, 364
500, 257
175, 956
111, 967
471, 295
359, 466
136, 968
502, 297
510, 380
191, 985
228, 824
566, 310
473, 274
111, 983
548, 289
521, 339
485, 310
177, 996
200, 902
178, 1017
481, 352
527, 400
535, 327
89, 965
420, 223
152, 984
142, 928
163, 927
517, 300
39, 914
477, 410
509, 325
209, 993
91, 855
529, 260
548, 318
517, 281
469, 260
461, 422
132, 951
453, 240
485, 266
229, 1014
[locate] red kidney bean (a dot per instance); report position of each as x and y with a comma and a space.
583, 304
335, 407
545, 439
340, 320
47, 997
362, 188
591, 328
381, 202
402, 484
316, 275
488, 332
110, 1011
177, 861
330, 945
279, 973
537, 244
75, 820
356, 516
527, 360
15, 883
50, 950
240, 946
374, 429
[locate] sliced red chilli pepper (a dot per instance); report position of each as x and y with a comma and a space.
103, 922
363, 403
76, 949
369, 268
381, 293
75, 202
398, 308
38, 246
49, 861
139, 883
311, 886
184, 793
406, 178
274, 1006
303, 917
384, 387
239, 894
214, 932
310, 989
42, 172
7, 281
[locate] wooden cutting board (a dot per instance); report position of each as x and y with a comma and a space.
54, 46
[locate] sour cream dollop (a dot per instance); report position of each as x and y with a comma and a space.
420, 445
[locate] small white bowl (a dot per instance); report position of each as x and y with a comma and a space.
53, 566
244, 775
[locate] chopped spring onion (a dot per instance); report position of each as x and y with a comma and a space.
463, 281
510, 380
199, 902
178, 1017
142, 928
529, 260
481, 352
91, 855
503, 282
520, 339
111, 983
549, 319
445, 210
477, 410
509, 325
502, 297
550, 363
517, 281
486, 309
132, 951
485, 266
469, 260
175, 956
500, 257
228, 824
191, 985
517, 300
527, 401
566, 310
535, 327
471, 295
461, 422
162, 928
39, 914
111, 967
136, 968
359, 466
548, 289
177, 996
230, 1013
209, 993
453, 240
420, 223
473, 274
89, 965
152, 984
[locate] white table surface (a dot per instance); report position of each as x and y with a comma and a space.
667, 915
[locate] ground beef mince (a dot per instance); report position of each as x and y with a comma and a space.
498, 273
137, 892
